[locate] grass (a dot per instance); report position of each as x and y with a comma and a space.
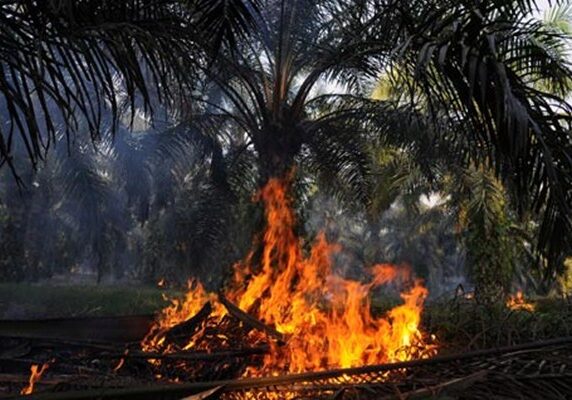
27, 301
464, 325
461, 324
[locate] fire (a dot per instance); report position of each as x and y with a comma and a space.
35, 376
178, 312
325, 318
518, 302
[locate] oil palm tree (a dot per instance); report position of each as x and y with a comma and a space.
267, 94
79, 57
490, 83
470, 73
469, 69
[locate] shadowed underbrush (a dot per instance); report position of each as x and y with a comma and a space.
27, 301
463, 325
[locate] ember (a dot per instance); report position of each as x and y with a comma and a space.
518, 302
325, 319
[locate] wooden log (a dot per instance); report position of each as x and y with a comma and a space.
250, 320
186, 329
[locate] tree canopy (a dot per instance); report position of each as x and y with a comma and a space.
258, 87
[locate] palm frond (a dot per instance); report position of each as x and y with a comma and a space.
338, 156
559, 17
224, 22
62, 62
474, 63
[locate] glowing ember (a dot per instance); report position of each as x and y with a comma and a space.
35, 376
326, 319
518, 302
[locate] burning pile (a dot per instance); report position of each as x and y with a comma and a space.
315, 319
286, 312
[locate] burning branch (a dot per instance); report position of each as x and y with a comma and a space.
250, 320
35, 376
185, 329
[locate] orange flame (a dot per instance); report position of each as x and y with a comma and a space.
178, 312
325, 318
35, 376
518, 302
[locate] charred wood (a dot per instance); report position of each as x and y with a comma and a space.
186, 329
249, 320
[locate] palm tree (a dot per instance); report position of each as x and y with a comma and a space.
79, 57
490, 82
266, 96
469, 72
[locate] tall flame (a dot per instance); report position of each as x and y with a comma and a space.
325, 318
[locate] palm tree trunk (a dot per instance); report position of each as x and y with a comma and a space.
277, 149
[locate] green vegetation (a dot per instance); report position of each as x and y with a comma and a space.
25, 301
136, 145
492, 253
462, 324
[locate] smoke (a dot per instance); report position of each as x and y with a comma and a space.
425, 239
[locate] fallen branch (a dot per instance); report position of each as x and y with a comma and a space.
19, 378
181, 390
250, 320
452, 385
209, 394
187, 328
183, 355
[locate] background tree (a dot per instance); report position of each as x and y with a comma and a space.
79, 57
474, 80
